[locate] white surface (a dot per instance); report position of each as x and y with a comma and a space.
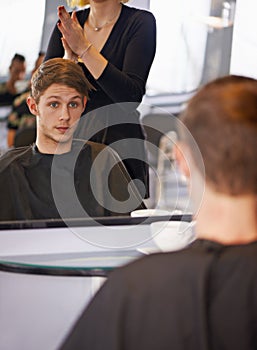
72, 239
36, 310
244, 44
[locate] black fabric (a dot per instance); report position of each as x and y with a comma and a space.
6, 98
25, 136
201, 298
42, 186
130, 51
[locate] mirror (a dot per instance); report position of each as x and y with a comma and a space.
194, 41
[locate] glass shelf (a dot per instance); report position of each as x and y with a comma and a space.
83, 248
87, 264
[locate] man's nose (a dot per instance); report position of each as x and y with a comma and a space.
21, 75
65, 114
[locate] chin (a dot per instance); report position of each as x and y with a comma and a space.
63, 139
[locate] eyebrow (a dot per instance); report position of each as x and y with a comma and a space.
58, 97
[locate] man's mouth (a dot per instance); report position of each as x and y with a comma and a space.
62, 129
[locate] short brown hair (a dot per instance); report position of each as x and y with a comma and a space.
18, 57
59, 71
222, 118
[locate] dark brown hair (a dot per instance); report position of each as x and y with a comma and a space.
18, 57
59, 71
222, 118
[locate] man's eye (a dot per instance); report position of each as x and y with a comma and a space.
54, 104
73, 104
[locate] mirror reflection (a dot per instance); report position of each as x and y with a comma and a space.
193, 46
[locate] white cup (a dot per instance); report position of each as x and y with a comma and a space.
149, 212
172, 235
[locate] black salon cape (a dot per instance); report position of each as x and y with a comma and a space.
203, 297
42, 186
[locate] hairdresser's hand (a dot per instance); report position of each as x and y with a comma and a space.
69, 54
74, 40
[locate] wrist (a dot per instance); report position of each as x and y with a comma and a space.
85, 50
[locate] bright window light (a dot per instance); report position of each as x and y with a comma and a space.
21, 30
181, 44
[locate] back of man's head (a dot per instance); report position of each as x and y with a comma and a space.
222, 119
59, 71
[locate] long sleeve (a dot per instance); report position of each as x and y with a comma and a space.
55, 48
130, 50
126, 81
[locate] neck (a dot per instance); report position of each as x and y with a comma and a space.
52, 147
100, 13
226, 219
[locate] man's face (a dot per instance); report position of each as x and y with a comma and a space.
58, 112
17, 70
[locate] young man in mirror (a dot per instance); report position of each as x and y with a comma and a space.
58, 176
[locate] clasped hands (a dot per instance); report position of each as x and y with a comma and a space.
73, 38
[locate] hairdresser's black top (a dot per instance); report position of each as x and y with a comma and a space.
130, 50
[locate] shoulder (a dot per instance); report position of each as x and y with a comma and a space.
154, 267
185, 265
140, 22
15, 156
138, 15
149, 275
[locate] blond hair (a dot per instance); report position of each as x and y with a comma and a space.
82, 3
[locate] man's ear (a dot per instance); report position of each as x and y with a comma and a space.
181, 156
85, 101
32, 105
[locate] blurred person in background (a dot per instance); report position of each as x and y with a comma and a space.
20, 116
9, 90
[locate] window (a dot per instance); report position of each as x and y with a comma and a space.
181, 43
21, 29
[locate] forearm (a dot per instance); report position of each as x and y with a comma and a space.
93, 60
